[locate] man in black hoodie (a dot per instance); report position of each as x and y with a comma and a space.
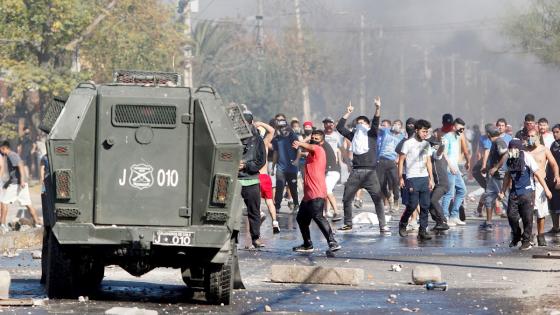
254, 157
364, 163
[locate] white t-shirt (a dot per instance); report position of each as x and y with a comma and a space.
416, 153
548, 139
335, 140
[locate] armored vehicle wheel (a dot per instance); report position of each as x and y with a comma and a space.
45, 254
218, 281
70, 276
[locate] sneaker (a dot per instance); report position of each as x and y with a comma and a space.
329, 214
258, 243
514, 242
402, 230
458, 221
345, 228
303, 248
358, 203
526, 245
4, 229
337, 217
451, 222
486, 226
334, 246
37, 225
441, 227
275, 227
263, 217
385, 230
541, 241
423, 235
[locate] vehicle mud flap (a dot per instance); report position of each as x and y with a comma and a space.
237, 281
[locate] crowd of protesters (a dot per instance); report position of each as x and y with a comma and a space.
419, 165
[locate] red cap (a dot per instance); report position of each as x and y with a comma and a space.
307, 123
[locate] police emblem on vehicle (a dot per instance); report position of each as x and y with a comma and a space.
141, 176
173, 238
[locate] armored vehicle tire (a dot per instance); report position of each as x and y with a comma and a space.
45, 254
218, 281
70, 276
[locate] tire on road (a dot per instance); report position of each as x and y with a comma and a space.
218, 280
68, 275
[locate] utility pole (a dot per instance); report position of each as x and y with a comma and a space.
184, 8
453, 84
305, 86
362, 68
260, 35
401, 91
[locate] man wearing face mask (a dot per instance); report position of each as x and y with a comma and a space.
457, 187
528, 124
521, 168
542, 156
314, 194
364, 147
554, 186
336, 142
387, 163
254, 157
283, 163
409, 130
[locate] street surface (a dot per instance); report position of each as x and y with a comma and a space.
484, 275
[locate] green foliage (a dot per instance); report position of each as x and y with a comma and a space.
137, 35
226, 56
35, 35
538, 31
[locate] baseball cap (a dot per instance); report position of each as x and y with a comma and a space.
492, 131
515, 144
328, 119
307, 124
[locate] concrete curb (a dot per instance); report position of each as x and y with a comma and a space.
316, 275
21, 239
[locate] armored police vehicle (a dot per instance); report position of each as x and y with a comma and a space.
143, 174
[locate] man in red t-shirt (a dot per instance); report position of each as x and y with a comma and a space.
314, 193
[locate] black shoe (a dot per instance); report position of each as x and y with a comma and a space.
441, 227
541, 241
258, 243
334, 246
275, 227
514, 242
303, 248
402, 230
526, 245
423, 235
345, 228
336, 217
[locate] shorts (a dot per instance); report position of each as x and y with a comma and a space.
266, 186
15, 193
493, 187
541, 202
332, 178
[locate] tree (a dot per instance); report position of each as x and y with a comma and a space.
36, 36
538, 31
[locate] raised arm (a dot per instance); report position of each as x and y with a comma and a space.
374, 128
341, 125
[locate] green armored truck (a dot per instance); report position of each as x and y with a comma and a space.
142, 174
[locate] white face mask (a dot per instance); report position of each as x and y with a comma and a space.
362, 126
513, 153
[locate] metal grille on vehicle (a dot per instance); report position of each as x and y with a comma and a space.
146, 77
235, 114
144, 115
63, 183
52, 111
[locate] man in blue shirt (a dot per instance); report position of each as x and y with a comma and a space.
387, 158
283, 163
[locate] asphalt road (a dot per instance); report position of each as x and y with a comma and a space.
484, 275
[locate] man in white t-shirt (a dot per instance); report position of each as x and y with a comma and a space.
416, 152
546, 136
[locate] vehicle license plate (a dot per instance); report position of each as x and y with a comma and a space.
171, 238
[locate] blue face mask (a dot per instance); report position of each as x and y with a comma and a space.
531, 141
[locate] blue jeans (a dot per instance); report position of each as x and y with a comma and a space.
458, 190
418, 194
